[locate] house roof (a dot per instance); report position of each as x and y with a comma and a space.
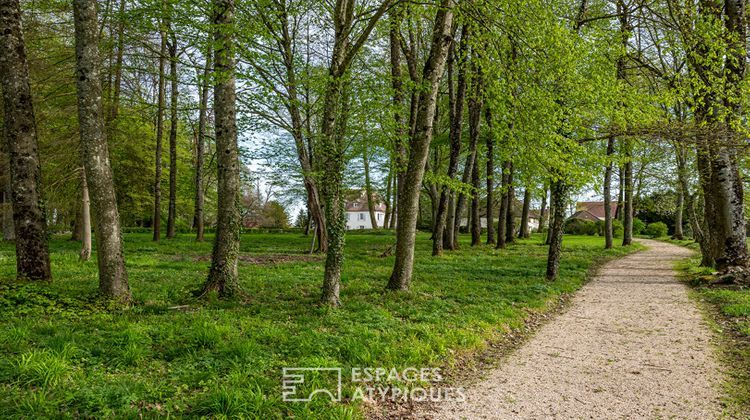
595, 208
584, 215
357, 201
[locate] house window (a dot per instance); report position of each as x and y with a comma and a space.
361, 216
380, 215
361, 227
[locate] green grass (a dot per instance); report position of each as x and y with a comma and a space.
729, 309
63, 353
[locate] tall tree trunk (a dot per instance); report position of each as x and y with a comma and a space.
525, 213
304, 151
490, 178
476, 103
627, 211
388, 185
115, 109
620, 192
559, 192
510, 230
548, 238
543, 211
200, 147
113, 279
444, 236
502, 214
608, 236
681, 192
419, 147
32, 252
332, 138
85, 253
223, 276
159, 132
172, 213
368, 189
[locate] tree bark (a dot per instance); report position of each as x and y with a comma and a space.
502, 215
680, 152
113, 279
419, 147
476, 222
223, 276
490, 178
559, 192
543, 211
200, 195
627, 210
115, 109
85, 252
172, 212
159, 131
510, 230
608, 236
9, 232
32, 252
368, 189
525, 214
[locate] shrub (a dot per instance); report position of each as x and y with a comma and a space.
617, 229
638, 226
656, 230
580, 227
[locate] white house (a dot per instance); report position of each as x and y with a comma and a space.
358, 213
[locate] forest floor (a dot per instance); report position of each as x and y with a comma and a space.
65, 354
632, 344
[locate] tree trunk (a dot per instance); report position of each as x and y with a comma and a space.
32, 252
223, 276
368, 190
419, 147
476, 222
620, 192
558, 192
200, 148
510, 230
388, 185
115, 109
627, 217
502, 215
113, 279
490, 179
476, 104
304, 153
444, 236
608, 236
681, 192
543, 211
159, 133
172, 213
525, 214
85, 253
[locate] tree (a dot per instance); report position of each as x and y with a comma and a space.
172, 212
200, 198
332, 133
160, 124
418, 148
113, 279
223, 275
29, 220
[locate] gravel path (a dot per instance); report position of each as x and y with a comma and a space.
631, 345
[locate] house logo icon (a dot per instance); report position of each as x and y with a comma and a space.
302, 384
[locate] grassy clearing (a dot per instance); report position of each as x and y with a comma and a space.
729, 309
64, 354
